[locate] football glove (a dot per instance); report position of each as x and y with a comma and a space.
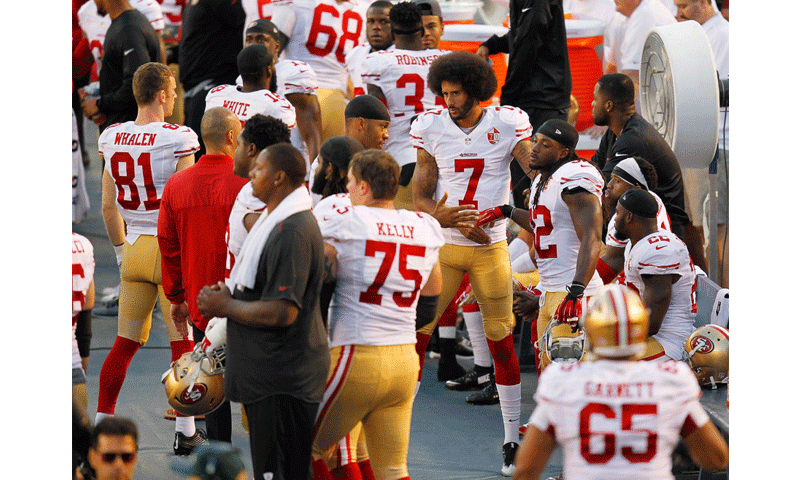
494, 213
118, 253
569, 311
216, 335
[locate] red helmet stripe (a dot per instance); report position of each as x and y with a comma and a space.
720, 330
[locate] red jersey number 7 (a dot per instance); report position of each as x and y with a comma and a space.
476, 164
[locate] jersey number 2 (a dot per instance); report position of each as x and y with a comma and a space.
389, 250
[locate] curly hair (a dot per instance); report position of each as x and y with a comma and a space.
263, 131
405, 17
472, 72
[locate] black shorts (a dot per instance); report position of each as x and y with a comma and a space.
281, 432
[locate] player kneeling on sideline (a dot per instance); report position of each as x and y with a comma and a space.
644, 407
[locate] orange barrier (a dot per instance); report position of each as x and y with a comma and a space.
584, 37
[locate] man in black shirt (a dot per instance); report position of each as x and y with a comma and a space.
211, 38
538, 80
630, 135
277, 357
130, 43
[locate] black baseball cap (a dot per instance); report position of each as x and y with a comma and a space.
429, 7
560, 131
264, 26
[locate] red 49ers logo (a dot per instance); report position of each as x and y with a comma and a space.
706, 345
197, 392
493, 136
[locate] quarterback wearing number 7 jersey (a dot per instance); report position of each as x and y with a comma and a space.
463, 153
140, 157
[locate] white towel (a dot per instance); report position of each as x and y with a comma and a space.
244, 271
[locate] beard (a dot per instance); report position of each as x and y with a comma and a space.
462, 112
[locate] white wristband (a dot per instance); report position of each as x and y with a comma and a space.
118, 252
523, 264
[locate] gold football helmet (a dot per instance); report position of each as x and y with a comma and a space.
195, 384
615, 321
561, 344
706, 352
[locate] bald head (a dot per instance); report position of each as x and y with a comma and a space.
216, 128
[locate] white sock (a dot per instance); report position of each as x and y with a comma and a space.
185, 425
99, 416
510, 399
477, 337
517, 247
447, 332
523, 264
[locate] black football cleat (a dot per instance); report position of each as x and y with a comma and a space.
509, 452
472, 380
185, 445
487, 396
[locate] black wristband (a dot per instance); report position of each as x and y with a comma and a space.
507, 210
575, 290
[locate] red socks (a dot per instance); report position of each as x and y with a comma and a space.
112, 375
506, 363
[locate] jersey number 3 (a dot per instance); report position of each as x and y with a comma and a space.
389, 250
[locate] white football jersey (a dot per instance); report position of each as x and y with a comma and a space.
473, 167
95, 26
246, 104
618, 419
236, 233
141, 159
402, 76
294, 77
353, 62
663, 253
254, 10
385, 257
661, 217
322, 33
554, 237
82, 275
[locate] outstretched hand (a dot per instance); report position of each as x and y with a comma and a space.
459, 216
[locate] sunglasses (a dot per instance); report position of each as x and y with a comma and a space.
110, 457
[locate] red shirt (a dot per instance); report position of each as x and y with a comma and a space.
194, 214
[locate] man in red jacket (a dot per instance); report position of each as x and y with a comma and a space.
194, 215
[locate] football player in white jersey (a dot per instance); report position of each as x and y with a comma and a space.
658, 266
617, 417
379, 37
322, 33
566, 221
398, 77
463, 157
82, 303
632, 172
382, 259
255, 67
95, 26
140, 156
297, 82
